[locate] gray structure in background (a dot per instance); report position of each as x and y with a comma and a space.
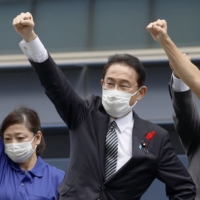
90, 25
93, 25
86, 26
21, 87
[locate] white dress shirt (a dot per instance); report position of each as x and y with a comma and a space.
35, 51
124, 133
178, 85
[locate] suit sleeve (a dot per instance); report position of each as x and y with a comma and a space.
2, 154
3, 158
69, 105
186, 120
179, 185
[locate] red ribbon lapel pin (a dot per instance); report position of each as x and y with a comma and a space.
149, 136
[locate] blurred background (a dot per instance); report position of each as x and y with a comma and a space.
80, 35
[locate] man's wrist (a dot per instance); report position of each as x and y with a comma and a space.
165, 42
30, 37
175, 75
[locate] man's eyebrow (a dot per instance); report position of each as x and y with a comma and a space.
125, 81
122, 81
110, 79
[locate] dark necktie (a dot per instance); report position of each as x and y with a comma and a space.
111, 150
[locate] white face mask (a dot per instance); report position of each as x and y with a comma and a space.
20, 152
116, 102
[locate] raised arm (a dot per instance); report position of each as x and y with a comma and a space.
187, 71
3, 159
67, 102
1, 150
186, 117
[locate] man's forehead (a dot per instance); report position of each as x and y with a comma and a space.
120, 67
113, 79
122, 73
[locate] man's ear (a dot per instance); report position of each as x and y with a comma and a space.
101, 82
141, 92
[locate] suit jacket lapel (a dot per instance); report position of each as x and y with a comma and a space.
139, 132
100, 121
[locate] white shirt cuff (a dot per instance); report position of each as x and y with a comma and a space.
178, 85
34, 50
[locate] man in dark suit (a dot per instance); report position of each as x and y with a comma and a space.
187, 125
114, 154
186, 118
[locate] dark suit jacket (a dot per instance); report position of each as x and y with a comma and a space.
88, 121
187, 125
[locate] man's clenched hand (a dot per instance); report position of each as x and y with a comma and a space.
158, 30
24, 26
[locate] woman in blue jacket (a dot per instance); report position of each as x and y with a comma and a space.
23, 173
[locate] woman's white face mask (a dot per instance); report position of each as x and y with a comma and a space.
20, 152
116, 102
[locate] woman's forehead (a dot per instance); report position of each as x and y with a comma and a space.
16, 129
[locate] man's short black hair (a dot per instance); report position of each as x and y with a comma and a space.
130, 61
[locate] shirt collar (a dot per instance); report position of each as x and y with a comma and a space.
37, 170
123, 122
